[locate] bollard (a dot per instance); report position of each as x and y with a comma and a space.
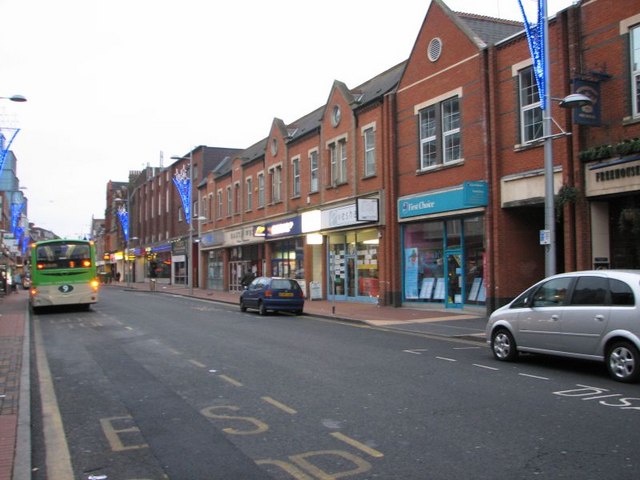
152, 285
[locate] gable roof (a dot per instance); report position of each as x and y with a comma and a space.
490, 30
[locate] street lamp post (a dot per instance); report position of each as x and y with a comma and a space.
200, 219
575, 100
188, 215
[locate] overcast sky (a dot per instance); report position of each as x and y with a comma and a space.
114, 85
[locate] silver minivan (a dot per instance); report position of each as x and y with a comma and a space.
592, 315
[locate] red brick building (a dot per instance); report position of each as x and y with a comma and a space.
425, 184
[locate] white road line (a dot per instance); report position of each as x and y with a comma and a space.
447, 359
533, 376
485, 366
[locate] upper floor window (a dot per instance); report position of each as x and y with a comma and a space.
249, 194
229, 201
237, 200
295, 177
276, 184
369, 137
634, 35
219, 209
338, 154
440, 135
530, 113
313, 171
261, 190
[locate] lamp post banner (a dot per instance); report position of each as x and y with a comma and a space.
183, 184
536, 39
123, 215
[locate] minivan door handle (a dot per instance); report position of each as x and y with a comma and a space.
555, 318
600, 318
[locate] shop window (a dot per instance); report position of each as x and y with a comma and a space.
287, 259
634, 35
530, 113
353, 265
425, 266
440, 134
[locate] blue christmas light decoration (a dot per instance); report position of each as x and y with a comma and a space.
123, 215
536, 39
16, 211
183, 184
25, 244
5, 144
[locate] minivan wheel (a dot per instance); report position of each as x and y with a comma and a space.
503, 345
262, 309
242, 307
623, 362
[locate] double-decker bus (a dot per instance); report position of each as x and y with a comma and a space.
63, 272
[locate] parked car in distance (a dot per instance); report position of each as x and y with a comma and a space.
592, 315
273, 294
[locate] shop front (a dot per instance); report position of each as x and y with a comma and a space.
442, 235
212, 259
352, 251
245, 249
286, 249
612, 188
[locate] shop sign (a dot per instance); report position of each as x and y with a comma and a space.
614, 176
467, 195
367, 209
587, 114
240, 236
283, 228
340, 217
212, 238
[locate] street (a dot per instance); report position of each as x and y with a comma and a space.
150, 386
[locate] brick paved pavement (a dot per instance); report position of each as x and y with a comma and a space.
13, 315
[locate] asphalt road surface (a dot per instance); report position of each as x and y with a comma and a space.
153, 386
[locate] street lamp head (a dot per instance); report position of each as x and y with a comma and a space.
15, 98
575, 100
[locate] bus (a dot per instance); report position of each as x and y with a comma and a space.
63, 272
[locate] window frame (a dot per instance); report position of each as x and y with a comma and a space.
261, 188
314, 170
529, 103
369, 150
295, 177
249, 196
440, 131
634, 69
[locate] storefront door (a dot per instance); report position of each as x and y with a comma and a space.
455, 278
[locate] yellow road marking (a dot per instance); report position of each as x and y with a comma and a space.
280, 405
356, 444
231, 380
58, 460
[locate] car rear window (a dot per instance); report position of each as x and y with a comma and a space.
621, 293
284, 284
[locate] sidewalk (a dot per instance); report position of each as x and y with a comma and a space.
431, 320
15, 416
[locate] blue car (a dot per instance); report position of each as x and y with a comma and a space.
273, 294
